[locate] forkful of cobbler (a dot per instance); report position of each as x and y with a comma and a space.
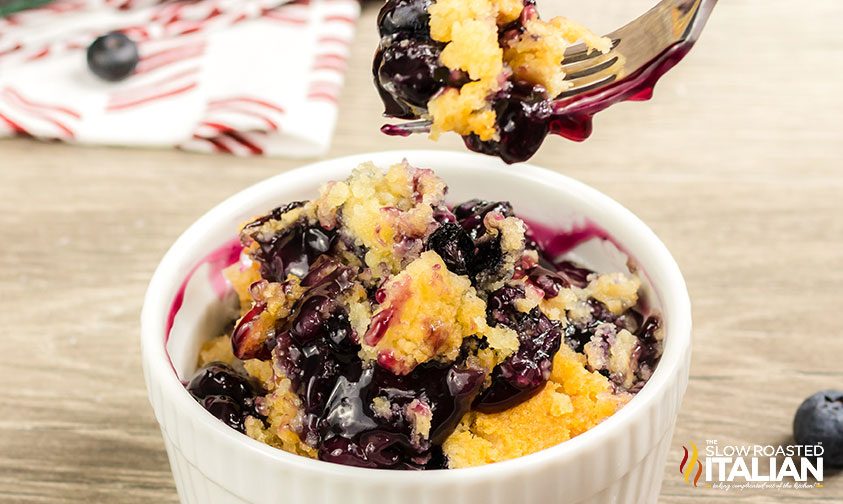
497, 74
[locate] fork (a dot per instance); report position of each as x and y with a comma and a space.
642, 51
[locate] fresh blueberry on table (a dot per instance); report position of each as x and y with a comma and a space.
113, 56
820, 420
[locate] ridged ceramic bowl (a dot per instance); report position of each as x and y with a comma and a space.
619, 461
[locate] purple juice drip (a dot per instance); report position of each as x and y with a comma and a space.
219, 259
556, 243
395, 130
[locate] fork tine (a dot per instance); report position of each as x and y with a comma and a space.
577, 53
597, 66
584, 86
408, 128
669, 23
593, 77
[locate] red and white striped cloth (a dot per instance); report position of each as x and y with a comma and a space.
247, 77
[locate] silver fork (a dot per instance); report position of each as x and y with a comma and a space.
670, 25
642, 51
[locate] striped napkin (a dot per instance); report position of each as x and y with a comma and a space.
246, 77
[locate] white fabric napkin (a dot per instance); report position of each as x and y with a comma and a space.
247, 77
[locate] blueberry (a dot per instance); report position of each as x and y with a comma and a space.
573, 274
309, 323
246, 342
820, 420
352, 434
392, 106
577, 335
218, 379
405, 16
317, 240
470, 215
225, 393
524, 373
549, 282
291, 251
454, 246
523, 120
225, 409
113, 57
650, 347
411, 73
275, 214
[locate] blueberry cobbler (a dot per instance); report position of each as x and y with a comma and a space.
484, 69
381, 328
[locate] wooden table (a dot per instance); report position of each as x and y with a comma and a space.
735, 164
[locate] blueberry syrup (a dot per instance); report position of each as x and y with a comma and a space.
555, 244
224, 256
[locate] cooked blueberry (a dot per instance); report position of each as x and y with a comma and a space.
226, 409
341, 335
275, 214
442, 215
328, 275
309, 323
454, 246
631, 320
549, 282
405, 16
225, 393
291, 251
524, 373
575, 275
113, 56
600, 311
523, 121
488, 260
392, 106
218, 379
317, 240
650, 347
819, 420
577, 335
411, 72
471, 213
500, 303
352, 433
246, 341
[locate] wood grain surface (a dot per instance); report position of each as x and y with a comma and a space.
735, 164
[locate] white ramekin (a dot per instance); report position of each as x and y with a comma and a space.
619, 461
